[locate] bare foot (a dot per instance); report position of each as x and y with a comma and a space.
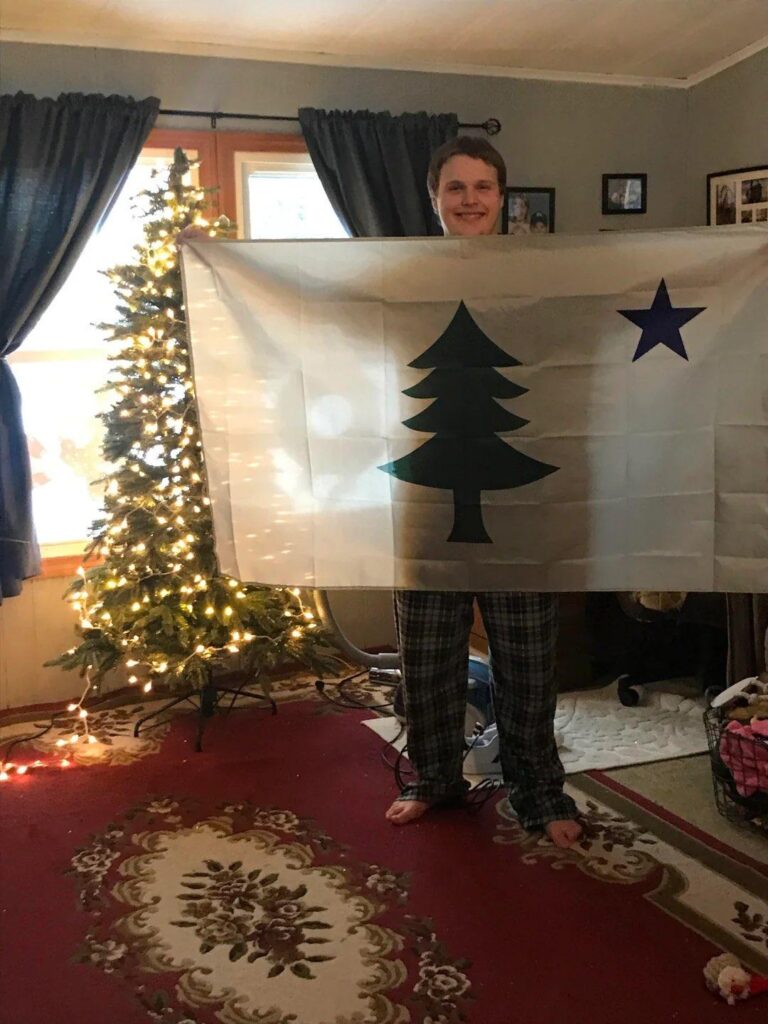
563, 833
403, 811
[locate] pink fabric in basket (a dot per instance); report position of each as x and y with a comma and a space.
744, 749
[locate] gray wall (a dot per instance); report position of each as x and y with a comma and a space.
554, 134
728, 127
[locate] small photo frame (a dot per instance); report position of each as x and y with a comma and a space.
528, 210
737, 197
625, 193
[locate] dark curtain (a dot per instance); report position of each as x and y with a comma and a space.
374, 167
62, 164
747, 635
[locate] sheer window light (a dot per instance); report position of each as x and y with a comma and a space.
61, 366
279, 195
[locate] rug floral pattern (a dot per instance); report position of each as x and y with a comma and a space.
253, 916
704, 890
613, 848
113, 728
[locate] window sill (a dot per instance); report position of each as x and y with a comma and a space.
61, 561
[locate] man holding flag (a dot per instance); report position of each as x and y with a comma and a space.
596, 422
466, 181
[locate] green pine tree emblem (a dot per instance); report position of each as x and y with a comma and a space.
465, 455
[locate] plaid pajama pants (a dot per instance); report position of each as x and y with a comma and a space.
433, 630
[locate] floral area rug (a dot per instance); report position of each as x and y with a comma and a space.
258, 883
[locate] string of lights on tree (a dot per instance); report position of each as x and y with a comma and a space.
155, 605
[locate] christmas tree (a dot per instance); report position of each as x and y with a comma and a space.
156, 603
465, 455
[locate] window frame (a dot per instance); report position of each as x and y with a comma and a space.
229, 145
216, 151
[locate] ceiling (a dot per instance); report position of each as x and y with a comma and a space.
656, 42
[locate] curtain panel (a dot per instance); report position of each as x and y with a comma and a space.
373, 167
63, 163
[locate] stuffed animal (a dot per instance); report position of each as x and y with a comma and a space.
751, 701
756, 708
725, 976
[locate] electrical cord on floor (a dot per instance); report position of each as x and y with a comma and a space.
476, 733
351, 703
94, 705
5, 757
479, 795
391, 743
400, 781
353, 700
486, 787
474, 799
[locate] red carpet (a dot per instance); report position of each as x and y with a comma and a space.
259, 882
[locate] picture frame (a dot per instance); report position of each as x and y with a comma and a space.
739, 196
625, 192
528, 209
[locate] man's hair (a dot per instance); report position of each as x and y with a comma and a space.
465, 145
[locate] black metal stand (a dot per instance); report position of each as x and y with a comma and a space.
206, 700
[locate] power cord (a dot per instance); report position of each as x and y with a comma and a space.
474, 799
349, 702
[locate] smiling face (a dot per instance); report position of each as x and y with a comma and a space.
468, 199
519, 208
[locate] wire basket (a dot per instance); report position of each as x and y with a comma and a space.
739, 773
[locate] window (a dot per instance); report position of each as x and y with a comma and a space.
267, 184
62, 365
279, 195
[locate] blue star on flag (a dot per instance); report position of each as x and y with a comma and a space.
661, 323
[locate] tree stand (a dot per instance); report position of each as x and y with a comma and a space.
206, 700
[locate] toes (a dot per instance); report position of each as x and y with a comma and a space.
563, 833
401, 817
397, 812
403, 811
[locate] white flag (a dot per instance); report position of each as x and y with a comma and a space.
542, 413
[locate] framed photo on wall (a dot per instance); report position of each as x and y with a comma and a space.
528, 210
625, 193
738, 197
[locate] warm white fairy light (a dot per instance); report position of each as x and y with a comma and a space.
164, 573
